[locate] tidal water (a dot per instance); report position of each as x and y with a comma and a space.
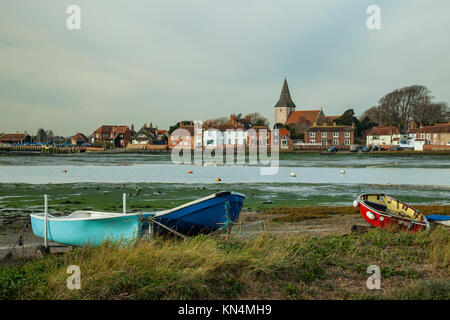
319, 178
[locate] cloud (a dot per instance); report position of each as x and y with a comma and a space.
165, 61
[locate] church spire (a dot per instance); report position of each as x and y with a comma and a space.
285, 97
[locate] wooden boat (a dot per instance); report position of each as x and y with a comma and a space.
383, 211
87, 227
201, 216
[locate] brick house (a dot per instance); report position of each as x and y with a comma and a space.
435, 137
383, 136
285, 139
117, 136
13, 138
178, 138
327, 136
79, 139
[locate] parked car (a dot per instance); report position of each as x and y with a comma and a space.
365, 149
383, 148
374, 148
395, 148
333, 149
87, 145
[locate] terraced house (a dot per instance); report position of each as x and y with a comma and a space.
435, 137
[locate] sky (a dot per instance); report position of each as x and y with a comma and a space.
142, 61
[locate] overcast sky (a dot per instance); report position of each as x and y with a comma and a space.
165, 61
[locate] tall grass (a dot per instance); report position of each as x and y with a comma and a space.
272, 266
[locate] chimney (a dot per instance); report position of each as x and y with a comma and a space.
151, 125
132, 127
145, 125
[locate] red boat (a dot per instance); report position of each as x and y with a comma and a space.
382, 211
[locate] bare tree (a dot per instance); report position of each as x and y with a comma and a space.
399, 107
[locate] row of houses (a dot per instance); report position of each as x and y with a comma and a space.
118, 136
436, 137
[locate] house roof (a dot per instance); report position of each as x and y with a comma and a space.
440, 128
308, 115
285, 97
285, 132
383, 131
331, 129
108, 129
79, 137
13, 137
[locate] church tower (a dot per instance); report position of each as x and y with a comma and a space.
284, 106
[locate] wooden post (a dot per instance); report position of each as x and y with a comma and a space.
124, 203
46, 218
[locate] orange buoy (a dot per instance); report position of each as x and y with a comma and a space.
218, 179
64, 171
190, 172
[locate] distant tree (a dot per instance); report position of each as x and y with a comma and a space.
430, 113
41, 136
258, 119
177, 125
347, 118
399, 107
218, 121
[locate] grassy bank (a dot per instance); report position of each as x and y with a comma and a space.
288, 214
413, 266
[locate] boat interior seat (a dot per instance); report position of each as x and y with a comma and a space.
376, 206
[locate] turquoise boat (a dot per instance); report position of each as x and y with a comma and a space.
87, 227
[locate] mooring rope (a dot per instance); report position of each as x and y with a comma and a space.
19, 240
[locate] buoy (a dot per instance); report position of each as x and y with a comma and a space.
356, 203
218, 179
293, 174
342, 172
64, 171
190, 172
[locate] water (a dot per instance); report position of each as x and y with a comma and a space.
92, 178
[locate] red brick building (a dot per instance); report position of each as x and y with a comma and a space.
117, 136
339, 136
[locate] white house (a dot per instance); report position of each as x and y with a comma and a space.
383, 136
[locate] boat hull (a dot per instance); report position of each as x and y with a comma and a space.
203, 216
375, 215
87, 231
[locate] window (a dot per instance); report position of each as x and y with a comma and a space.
347, 134
312, 141
335, 134
346, 142
422, 136
335, 142
312, 134
324, 142
428, 136
324, 134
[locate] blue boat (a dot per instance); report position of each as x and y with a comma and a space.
201, 216
87, 227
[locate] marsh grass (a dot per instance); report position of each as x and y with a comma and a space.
287, 214
272, 266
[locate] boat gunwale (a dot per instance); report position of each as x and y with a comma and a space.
189, 204
113, 215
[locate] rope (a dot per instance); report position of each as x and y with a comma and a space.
19, 240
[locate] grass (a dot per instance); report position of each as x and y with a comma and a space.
288, 214
413, 266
